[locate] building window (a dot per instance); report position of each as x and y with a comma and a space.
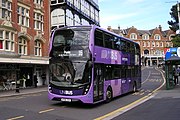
22, 46
23, 16
77, 20
167, 45
84, 22
157, 37
144, 44
96, 16
161, 44
145, 37
6, 10
92, 12
77, 4
38, 21
38, 48
171, 36
148, 44
7, 40
133, 36
157, 44
58, 17
153, 44
39, 2
85, 7
69, 18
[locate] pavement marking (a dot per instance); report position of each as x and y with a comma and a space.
147, 78
15, 118
43, 111
126, 108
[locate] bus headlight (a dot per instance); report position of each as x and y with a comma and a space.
86, 89
50, 89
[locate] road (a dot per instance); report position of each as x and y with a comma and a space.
37, 106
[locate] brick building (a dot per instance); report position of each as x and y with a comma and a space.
153, 43
24, 39
74, 12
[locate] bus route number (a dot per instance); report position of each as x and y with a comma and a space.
114, 55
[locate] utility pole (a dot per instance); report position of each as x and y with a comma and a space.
178, 31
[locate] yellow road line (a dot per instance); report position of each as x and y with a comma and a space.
131, 105
15, 118
43, 111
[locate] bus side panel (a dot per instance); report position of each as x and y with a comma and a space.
115, 85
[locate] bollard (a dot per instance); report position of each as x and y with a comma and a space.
17, 86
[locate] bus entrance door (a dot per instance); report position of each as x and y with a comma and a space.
98, 82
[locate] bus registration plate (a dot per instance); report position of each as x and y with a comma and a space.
66, 100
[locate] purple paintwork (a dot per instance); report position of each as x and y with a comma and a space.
100, 55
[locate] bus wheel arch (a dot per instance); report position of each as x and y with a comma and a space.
109, 94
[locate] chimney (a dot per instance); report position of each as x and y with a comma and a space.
160, 27
109, 28
119, 28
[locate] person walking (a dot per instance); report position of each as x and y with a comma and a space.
43, 76
176, 81
35, 80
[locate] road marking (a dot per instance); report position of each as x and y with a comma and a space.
147, 78
131, 105
43, 111
15, 118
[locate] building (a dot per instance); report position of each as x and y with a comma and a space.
74, 12
24, 40
153, 43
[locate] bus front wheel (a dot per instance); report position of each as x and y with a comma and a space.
108, 95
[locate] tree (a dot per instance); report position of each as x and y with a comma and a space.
174, 25
176, 41
174, 15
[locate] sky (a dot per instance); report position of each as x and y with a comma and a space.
142, 14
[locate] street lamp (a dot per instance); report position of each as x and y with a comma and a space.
178, 31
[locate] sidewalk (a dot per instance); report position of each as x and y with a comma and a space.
23, 91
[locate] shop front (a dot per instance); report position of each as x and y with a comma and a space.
22, 71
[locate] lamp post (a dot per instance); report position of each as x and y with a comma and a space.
178, 31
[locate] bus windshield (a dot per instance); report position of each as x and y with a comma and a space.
70, 57
71, 43
70, 73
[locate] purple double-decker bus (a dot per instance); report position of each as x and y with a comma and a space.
91, 65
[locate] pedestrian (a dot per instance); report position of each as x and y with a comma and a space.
28, 80
35, 80
43, 76
176, 81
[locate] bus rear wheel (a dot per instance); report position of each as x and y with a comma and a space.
108, 95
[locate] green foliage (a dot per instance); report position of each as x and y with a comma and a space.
174, 25
176, 41
174, 15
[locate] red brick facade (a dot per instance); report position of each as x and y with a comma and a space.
29, 33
